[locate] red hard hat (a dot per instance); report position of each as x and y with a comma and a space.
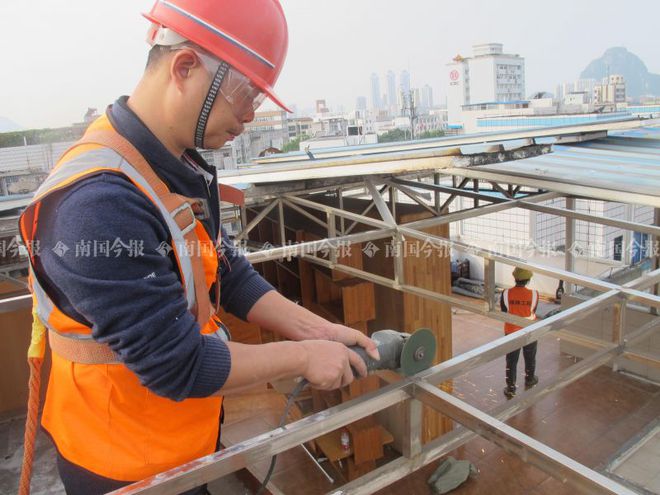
250, 35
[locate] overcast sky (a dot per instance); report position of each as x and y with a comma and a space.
61, 56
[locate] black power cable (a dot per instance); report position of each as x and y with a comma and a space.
296, 391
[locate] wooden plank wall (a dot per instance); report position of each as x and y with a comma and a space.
429, 269
15, 328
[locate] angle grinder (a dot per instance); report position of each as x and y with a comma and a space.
409, 353
405, 352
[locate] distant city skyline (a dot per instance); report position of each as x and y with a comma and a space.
89, 53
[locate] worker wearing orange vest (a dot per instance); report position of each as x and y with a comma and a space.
520, 301
114, 421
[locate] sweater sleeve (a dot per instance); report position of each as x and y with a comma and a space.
100, 261
242, 285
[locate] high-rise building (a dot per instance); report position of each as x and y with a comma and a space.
404, 81
425, 99
361, 103
321, 107
612, 90
391, 90
375, 92
489, 76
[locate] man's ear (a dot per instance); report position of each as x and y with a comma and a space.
181, 65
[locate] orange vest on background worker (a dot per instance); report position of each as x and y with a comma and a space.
96, 411
520, 301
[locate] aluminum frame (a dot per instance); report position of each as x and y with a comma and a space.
421, 389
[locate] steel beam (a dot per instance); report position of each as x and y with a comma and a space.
556, 464
397, 469
631, 294
382, 208
369, 207
564, 187
571, 213
305, 213
303, 248
340, 213
412, 195
262, 447
255, 221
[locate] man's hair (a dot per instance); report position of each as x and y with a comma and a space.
156, 54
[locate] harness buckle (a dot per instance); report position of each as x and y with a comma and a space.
186, 224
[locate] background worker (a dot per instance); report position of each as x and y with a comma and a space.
520, 301
140, 360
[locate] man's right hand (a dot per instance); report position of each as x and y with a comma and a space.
328, 364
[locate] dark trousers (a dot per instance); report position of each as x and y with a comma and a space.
529, 354
79, 481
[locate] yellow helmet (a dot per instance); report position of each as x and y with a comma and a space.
520, 274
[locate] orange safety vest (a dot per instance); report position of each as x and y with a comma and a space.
97, 412
520, 301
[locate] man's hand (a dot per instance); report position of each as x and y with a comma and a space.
275, 312
328, 364
348, 336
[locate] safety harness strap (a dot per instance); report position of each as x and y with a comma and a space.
83, 351
180, 208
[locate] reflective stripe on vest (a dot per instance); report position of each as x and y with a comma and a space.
98, 413
87, 164
65, 174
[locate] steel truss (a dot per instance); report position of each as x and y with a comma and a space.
422, 388
424, 188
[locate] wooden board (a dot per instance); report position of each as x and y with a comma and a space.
430, 269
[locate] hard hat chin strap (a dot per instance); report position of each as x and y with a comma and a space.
208, 104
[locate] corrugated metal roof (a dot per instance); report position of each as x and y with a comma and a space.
623, 164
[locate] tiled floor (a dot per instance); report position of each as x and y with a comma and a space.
641, 465
589, 420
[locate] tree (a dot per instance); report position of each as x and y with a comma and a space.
294, 144
404, 135
392, 136
431, 134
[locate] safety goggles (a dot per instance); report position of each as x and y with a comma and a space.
243, 96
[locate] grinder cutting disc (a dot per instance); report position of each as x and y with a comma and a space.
418, 352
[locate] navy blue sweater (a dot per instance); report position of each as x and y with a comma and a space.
132, 295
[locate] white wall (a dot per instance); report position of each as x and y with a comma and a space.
544, 284
482, 79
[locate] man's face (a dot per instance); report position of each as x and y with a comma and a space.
223, 124
228, 115
233, 106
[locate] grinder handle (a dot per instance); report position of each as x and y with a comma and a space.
371, 363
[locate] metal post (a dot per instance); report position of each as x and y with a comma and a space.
569, 257
475, 188
628, 236
618, 327
399, 276
332, 233
342, 220
412, 428
489, 283
436, 194
393, 199
280, 211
